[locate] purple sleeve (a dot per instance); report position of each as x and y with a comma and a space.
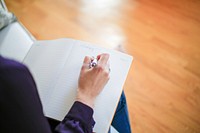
78, 120
21, 109
20, 106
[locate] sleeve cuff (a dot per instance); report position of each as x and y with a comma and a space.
83, 113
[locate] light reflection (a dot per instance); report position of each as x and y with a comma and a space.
112, 35
100, 18
99, 7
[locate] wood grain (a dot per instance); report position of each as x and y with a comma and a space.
163, 86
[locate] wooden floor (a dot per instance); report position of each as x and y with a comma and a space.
163, 86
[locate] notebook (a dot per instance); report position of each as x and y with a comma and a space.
55, 66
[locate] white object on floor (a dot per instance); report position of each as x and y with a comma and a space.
15, 41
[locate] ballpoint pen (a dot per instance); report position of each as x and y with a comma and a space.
93, 62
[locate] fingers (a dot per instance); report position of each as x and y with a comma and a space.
108, 67
86, 62
103, 59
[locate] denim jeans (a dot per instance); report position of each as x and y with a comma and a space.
121, 119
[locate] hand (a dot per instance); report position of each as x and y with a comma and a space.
92, 80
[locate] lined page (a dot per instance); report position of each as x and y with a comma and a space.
65, 90
45, 61
107, 101
64, 93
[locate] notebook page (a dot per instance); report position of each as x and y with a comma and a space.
65, 90
109, 98
45, 61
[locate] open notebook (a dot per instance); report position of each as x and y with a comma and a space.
55, 66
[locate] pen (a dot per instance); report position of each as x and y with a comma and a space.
93, 63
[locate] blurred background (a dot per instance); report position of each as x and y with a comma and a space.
163, 36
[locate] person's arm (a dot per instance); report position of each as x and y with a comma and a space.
91, 82
21, 109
